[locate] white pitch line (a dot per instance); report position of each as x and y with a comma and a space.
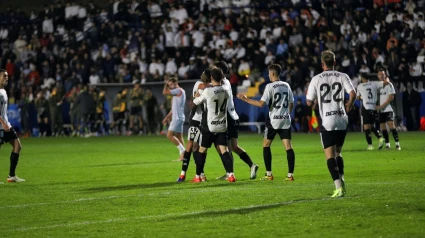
124, 219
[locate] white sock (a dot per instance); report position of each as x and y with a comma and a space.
181, 148
341, 176
397, 143
202, 175
290, 175
338, 184
388, 144
183, 173
196, 176
269, 173
231, 174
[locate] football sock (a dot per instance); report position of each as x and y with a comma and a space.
333, 170
181, 148
290, 175
228, 163
395, 134
269, 173
376, 132
267, 154
200, 163
186, 160
368, 137
245, 157
290, 156
385, 134
14, 158
340, 164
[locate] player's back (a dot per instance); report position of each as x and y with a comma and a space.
231, 112
3, 106
384, 93
214, 117
328, 87
196, 113
369, 93
278, 95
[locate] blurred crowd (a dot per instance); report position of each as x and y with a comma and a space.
67, 45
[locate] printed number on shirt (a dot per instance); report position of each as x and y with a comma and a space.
277, 97
223, 106
326, 88
369, 94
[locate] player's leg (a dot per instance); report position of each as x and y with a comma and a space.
382, 124
329, 146
140, 120
233, 135
176, 127
46, 125
206, 141
14, 141
222, 141
394, 131
338, 157
269, 134
285, 136
193, 135
368, 135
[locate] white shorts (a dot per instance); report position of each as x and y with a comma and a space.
176, 126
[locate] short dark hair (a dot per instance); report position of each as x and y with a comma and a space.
222, 65
207, 73
328, 58
276, 68
217, 74
365, 76
381, 69
2, 71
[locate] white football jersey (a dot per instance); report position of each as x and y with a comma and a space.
369, 92
230, 104
328, 88
214, 118
278, 95
197, 116
3, 107
384, 93
178, 102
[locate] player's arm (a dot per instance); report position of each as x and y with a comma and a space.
166, 89
244, 98
311, 93
351, 101
199, 99
388, 101
4, 124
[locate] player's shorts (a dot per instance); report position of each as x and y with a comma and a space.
176, 126
386, 116
194, 132
331, 138
232, 128
43, 115
136, 111
208, 138
369, 116
6, 136
270, 133
118, 116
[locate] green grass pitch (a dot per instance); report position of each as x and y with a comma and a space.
125, 187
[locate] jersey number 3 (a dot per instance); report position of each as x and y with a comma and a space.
222, 107
325, 90
277, 97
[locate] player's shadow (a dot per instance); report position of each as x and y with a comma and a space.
241, 210
129, 187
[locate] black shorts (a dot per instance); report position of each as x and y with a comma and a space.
43, 115
208, 138
194, 131
270, 133
118, 116
369, 116
331, 138
136, 111
6, 136
386, 116
232, 128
